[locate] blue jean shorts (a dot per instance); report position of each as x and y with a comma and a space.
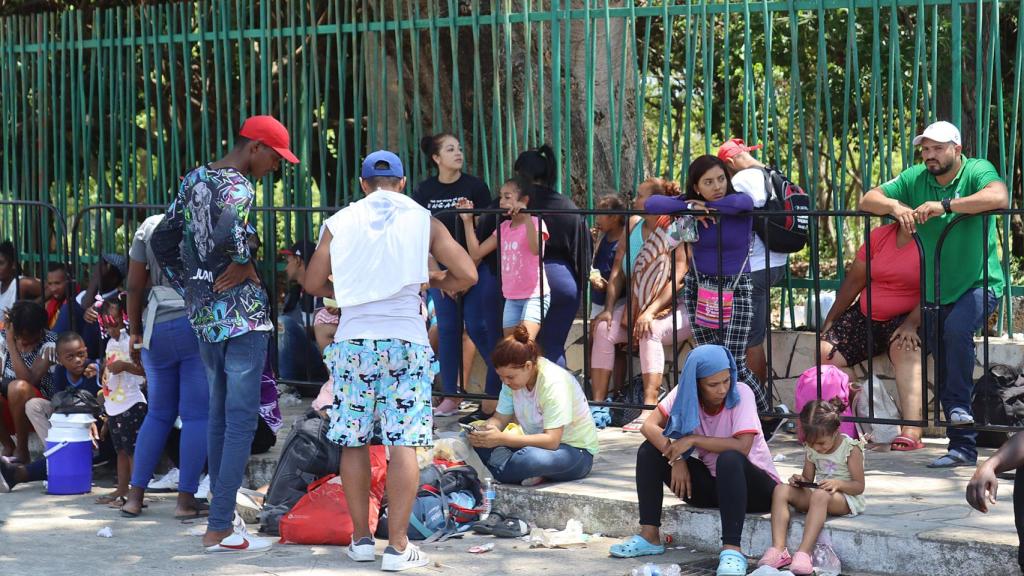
386, 379
525, 310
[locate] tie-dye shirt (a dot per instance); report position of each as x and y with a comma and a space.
202, 233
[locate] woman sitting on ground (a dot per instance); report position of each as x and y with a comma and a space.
655, 317
705, 442
559, 440
895, 314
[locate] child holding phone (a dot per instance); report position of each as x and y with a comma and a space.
831, 484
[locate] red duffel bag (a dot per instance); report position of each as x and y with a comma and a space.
321, 516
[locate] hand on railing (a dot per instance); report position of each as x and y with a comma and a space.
928, 210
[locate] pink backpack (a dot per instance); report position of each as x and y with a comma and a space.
834, 384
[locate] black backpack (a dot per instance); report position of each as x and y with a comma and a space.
783, 233
998, 401
307, 456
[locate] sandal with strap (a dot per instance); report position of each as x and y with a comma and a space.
634, 547
905, 444
731, 563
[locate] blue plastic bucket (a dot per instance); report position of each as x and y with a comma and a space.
69, 455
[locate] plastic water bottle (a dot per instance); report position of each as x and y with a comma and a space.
488, 498
651, 569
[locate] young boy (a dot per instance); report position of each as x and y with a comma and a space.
26, 359
74, 370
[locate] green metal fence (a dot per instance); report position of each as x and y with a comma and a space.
114, 105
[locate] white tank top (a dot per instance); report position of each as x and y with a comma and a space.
395, 317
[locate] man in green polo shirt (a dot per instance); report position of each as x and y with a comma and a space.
925, 199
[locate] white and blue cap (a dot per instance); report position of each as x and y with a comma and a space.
382, 163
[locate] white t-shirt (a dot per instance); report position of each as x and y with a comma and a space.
9, 297
750, 181
397, 316
124, 390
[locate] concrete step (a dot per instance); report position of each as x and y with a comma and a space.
916, 524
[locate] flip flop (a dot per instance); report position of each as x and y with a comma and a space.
486, 527
109, 499
905, 444
951, 459
202, 511
511, 528
240, 543
634, 547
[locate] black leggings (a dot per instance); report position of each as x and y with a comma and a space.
1018, 514
739, 487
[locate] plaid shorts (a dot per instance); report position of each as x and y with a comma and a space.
386, 379
734, 335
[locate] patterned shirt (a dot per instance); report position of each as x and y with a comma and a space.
46, 349
202, 233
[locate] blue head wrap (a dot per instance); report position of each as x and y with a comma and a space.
702, 362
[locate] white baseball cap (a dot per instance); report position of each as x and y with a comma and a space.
941, 131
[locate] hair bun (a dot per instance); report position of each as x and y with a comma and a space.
521, 334
672, 188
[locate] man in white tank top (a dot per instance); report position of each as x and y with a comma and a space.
381, 360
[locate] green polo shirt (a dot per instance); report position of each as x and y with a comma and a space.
963, 256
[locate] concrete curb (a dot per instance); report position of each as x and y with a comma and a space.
882, 550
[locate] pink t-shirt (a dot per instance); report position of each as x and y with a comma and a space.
731, 423
895, 275
520, 268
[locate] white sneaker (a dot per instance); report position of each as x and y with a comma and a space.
203, 492
166, 483
362, 551
395, 561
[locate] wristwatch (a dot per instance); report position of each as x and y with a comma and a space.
946, 205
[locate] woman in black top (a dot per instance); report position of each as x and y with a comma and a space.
482, 304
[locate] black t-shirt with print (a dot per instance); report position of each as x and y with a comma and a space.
437, 197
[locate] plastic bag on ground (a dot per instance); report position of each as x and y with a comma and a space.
572, 535
826, 561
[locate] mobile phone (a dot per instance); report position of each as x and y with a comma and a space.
802, 484
467, 427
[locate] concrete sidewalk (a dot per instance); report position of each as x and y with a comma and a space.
917, 522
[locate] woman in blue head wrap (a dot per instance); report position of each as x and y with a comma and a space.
705, 442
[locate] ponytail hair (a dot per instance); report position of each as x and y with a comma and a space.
662, 187
537, 166
821, 418
516, 349
431, 145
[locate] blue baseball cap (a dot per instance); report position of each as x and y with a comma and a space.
382, 163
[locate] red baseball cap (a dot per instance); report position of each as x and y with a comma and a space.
734, 147
268, 131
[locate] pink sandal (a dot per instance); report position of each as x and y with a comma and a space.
802, 564
775, 558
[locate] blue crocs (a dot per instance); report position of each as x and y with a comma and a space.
731, 563
601, 415
634, 547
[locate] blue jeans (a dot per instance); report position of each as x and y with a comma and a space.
481, 315
297, 355
234, 368
176, 383
565, 301
561, 465
959, 321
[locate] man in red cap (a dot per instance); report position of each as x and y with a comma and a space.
766, 270
201, 247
